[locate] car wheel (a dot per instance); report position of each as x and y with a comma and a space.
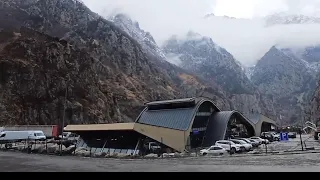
204, 154
233, 150
221, 154
242, 149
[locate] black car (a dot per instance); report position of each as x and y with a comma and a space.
266, 135
292, 135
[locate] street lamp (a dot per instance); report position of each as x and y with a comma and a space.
63, 116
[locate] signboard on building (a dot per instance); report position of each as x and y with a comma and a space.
195, 132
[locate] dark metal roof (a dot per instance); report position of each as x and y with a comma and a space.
172, 104
179, 119
218, 124
254, 118
172, 101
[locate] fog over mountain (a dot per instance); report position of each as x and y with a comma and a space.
246, 37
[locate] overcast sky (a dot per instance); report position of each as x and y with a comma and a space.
246, 38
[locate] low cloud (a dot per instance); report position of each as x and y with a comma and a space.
246, 37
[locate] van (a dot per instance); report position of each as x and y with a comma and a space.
16, 136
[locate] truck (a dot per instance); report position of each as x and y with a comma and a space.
16, 136
50, 131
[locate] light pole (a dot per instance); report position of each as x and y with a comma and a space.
63, 116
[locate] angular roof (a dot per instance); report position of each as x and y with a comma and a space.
171, 115
171, 101
254, 118
100, 127
218, 124
179, 119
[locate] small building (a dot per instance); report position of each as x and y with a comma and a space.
177, 125
262, 123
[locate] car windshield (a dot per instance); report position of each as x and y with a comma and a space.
236, 142
242, 142
39, 134
245, 140
228, 142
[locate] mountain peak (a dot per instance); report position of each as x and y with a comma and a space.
289, 18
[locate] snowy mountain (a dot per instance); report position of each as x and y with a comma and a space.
200, 55
133, 29
248, 71
286, 18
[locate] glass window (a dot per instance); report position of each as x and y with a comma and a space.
129, 151
93, 150
112, 151
217, 148
99, 150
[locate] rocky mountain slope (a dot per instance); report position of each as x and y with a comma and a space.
203, 57
314, 108
109, 73
36, 72
200, 56
286, 79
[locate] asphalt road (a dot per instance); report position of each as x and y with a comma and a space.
15, 161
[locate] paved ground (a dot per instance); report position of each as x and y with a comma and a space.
15, 161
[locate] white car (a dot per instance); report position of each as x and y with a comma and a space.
276, 136
229, 145
213, 150
250, 141
263, 141
247, 146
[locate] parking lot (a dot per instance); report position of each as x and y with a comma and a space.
12, 161
16, 161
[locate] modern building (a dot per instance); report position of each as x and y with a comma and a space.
177, 125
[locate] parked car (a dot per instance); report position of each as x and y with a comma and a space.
276, 136
229, 146
254, 143
69, 136
268, 136
247, 146
152, 147
262, 141
213, 150
292, 135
